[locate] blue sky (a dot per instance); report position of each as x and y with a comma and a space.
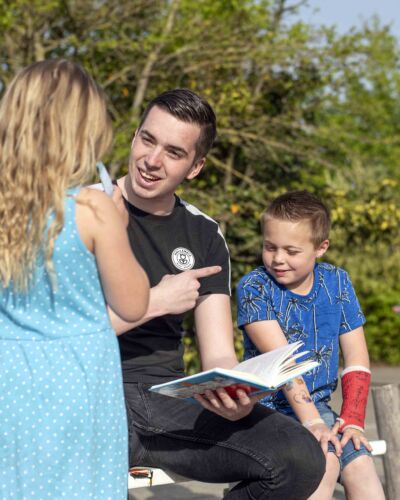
347, 13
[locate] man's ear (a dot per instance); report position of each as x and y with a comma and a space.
322, 248
134, 137
195, 169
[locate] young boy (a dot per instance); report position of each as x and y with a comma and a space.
294, 298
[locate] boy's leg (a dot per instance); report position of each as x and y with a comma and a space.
357, 470
360, 480
272, 456
328, 484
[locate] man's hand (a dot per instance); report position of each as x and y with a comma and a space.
222, 404
178, 293
175, 294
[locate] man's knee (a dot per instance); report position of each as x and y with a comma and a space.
296, 462
303, 466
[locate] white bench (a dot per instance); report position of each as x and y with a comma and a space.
378, 447
140, 477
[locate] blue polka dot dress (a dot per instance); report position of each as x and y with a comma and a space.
63, 431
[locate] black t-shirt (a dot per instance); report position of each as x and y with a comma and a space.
185, 239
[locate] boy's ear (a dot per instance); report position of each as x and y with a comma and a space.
322, 248
195, 169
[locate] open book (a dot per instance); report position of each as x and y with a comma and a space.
264, 373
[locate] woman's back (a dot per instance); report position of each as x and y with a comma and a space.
62, 415
76, 304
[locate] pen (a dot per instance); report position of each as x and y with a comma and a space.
105, 178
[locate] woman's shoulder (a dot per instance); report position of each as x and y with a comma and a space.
95, 203
87, 194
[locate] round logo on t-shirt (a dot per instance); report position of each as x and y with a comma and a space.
182, 258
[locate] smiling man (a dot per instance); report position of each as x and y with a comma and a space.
187, 261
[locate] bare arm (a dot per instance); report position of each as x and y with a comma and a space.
214, 331
268, 335
354, 348
102, 229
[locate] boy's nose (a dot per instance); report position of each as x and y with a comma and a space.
279, 257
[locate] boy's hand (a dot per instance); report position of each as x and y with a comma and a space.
323, 434
355, 435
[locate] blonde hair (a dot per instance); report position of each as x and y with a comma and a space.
54, 126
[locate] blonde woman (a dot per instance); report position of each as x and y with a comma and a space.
64, 253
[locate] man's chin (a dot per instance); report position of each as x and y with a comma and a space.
144, 190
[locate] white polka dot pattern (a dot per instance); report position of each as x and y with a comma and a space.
63, 427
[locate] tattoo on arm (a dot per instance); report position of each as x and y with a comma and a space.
290, 385
302, 398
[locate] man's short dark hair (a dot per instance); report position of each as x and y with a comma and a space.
295, 206
189, 107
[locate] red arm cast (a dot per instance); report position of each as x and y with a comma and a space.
355, 385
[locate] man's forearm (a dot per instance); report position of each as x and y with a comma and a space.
228, 362
214, 331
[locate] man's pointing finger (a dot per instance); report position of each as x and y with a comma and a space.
203, 272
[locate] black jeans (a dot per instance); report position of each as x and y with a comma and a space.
271, 455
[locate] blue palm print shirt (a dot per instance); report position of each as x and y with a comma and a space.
317, 319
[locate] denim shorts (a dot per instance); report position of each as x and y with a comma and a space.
349, 453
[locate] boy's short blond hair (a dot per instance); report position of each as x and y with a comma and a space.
295, 206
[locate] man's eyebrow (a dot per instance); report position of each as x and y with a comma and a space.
146, 132
170, 147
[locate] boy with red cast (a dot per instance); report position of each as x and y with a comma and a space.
294, 298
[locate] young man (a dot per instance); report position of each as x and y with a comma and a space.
187, 261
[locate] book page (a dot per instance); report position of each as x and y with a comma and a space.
267, 366
263, 373
294, 371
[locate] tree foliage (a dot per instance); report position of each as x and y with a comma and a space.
297, 107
